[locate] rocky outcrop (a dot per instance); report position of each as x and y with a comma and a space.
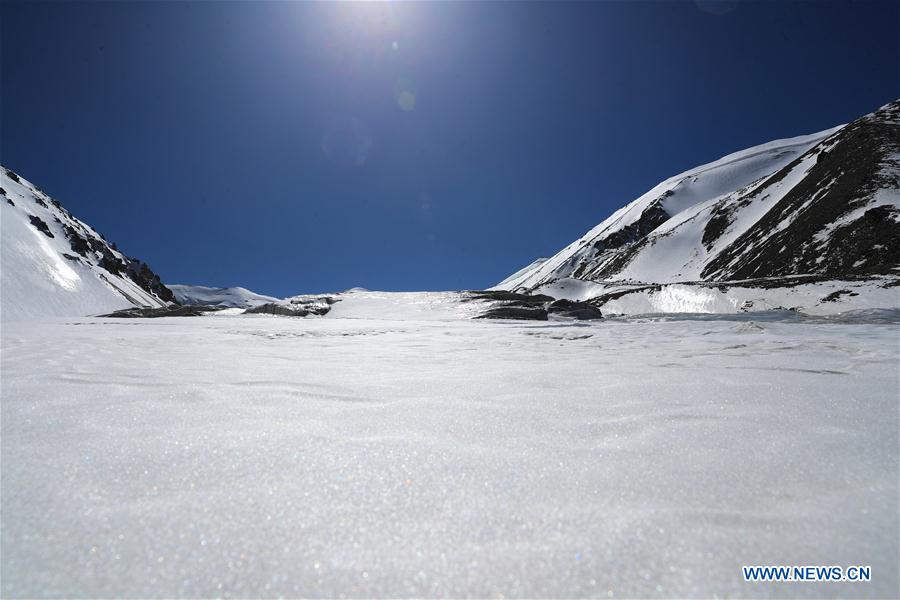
532, 307
275, 308
506, 311
297, 306
582, 311
167, 311
40, 225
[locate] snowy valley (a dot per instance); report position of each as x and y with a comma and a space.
736, 404
397, 447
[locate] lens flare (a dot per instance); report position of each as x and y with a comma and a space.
405, 93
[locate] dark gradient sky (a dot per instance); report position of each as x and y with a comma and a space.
303, 147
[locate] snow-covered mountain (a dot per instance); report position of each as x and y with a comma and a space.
824, 205
56, 265
231, 297
787, 215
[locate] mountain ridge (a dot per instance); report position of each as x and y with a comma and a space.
823, 204
228, 297
54, 264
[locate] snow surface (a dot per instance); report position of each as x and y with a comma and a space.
512, 280
232, 297
394, 448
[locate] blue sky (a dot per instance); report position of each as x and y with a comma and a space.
305, 147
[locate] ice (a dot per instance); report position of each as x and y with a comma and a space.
820, 298
427, 454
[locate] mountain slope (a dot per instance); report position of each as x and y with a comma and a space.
56, 265
841, 218
824, 204
232, 297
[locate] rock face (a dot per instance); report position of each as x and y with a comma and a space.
274, 308
582, 311
53, 264
827, 204
505, 296
533, 307
296, 306
165, 311
508, 311
841, 218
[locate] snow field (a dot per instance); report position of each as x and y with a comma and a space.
349, 456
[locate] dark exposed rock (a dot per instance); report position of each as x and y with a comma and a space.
521, 304
835, 296
272, 308
509, 296
314, 305
613, 252
604, 298
136, 270
299, 306
590, 313
166, 311
319, 310
531, 313
40, 225
719, 221
70, 257
652, 217
510, 305
582, 311
13, 176
514, 305
10, 202
871, 244
842, 180
111, 263
613, 261
140, 273
77, 242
